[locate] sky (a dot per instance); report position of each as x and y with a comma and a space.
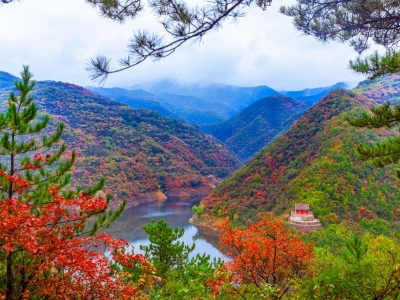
56, 38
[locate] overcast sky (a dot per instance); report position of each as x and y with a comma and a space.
57, 37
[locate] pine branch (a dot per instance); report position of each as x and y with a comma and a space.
355, 21
376, 65
181, 23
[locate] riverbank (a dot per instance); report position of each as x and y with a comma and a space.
159, 196
207, 223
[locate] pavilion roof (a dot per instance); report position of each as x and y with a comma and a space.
302, 206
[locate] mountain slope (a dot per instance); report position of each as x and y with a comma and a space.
254, 127
381, 90
141, 154
315, 162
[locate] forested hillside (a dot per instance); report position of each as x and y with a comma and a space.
382, 89
315, 162
140, 153
254, 127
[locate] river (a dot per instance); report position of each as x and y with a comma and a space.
175, 212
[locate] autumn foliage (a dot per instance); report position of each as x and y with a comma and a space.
53, 261
267, 258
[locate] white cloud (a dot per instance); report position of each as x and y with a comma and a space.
57, 37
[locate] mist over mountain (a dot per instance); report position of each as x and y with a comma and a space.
236, 97
196, 110
116, 91
191, 109
135, 98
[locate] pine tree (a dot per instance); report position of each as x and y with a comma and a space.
31, 164
388, 151
165, 251
377, 65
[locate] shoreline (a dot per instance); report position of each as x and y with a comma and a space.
159, 196
206, 222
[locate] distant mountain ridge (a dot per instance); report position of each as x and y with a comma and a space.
245, 133
192, 109
236, 97
196, 110
313, 95
142, 155
7, 79
135, 98
254, 127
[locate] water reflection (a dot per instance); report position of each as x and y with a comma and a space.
175, 212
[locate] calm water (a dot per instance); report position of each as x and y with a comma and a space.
175, 212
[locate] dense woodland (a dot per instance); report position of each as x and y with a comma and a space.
138, 151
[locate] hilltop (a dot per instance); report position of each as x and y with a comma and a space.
142, 155
315, 162
254, 127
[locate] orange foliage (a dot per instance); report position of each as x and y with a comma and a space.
266, 253
49, 257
